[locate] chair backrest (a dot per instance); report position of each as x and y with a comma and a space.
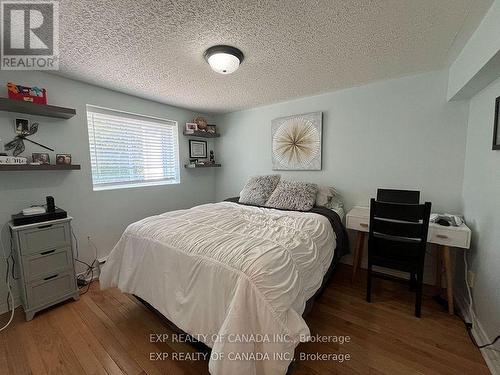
398, 196
398, 230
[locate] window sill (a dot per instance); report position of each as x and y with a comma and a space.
135, 185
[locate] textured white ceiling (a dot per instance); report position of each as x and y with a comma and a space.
154, 49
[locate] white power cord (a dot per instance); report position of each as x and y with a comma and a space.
472, 316
9, 290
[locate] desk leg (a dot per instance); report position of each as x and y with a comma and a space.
439, 269
449, 278
358, 253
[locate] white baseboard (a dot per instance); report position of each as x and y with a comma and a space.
491, 357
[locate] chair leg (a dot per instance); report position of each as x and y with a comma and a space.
418, 299
413, 282
369, 284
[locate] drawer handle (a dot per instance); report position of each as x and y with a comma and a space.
441, 236
44, 226
51, 277
48, 252
364, 225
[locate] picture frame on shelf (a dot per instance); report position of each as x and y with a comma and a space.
40, 158
63, 159
191, 127
197, 149
212, 129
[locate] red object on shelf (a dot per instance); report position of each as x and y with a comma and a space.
27, 94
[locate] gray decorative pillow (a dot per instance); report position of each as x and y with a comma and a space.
258, 189
293, 195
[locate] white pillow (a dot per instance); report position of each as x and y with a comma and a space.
324, 195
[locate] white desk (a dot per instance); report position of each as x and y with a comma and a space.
358, 219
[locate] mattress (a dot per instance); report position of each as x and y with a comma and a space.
235, 277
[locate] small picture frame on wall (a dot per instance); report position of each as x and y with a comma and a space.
496, 125
197, 149
40, 158
22, 126
63, 159
191, 127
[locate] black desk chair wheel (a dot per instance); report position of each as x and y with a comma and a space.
397, 240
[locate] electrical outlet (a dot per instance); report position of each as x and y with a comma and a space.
471, 276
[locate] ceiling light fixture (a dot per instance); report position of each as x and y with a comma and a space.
224, 59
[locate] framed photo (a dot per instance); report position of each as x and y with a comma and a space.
197, 149
63, 159
496, 125
211, 129
22, 126
41, 158
191, 127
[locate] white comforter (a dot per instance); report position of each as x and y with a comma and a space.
235, 277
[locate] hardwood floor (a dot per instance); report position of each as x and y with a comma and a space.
107, 332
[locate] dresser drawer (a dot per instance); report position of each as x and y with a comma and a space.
50, 288
44, 237
47, 263
448, 236
357, 223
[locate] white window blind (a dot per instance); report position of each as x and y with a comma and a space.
128, 150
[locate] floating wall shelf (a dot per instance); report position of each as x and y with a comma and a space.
29, 108
42, 167
189, 166
201, 134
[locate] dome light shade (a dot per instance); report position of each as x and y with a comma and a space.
224, 59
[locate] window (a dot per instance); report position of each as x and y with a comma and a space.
129, 150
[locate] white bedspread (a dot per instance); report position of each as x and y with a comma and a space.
220, 271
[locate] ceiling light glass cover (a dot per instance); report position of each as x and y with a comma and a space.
224, 59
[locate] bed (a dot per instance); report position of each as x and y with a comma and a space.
238, 278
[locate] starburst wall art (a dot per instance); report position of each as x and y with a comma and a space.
297, 142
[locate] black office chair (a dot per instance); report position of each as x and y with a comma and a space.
397, 240
398, 196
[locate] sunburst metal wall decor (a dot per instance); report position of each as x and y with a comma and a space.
297, 142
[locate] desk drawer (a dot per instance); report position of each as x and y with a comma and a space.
357, 223
47, 263
448, 237
44, 237
50, 288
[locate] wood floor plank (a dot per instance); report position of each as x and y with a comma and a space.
17, 360
55, 351
114, 346
108, 333
140, 334
99, 351
34, 357
66, 325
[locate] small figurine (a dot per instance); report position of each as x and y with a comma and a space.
212, 157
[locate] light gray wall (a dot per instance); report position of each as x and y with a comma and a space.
104, 214
481, 194
398, 133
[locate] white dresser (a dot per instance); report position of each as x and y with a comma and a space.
44, 264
